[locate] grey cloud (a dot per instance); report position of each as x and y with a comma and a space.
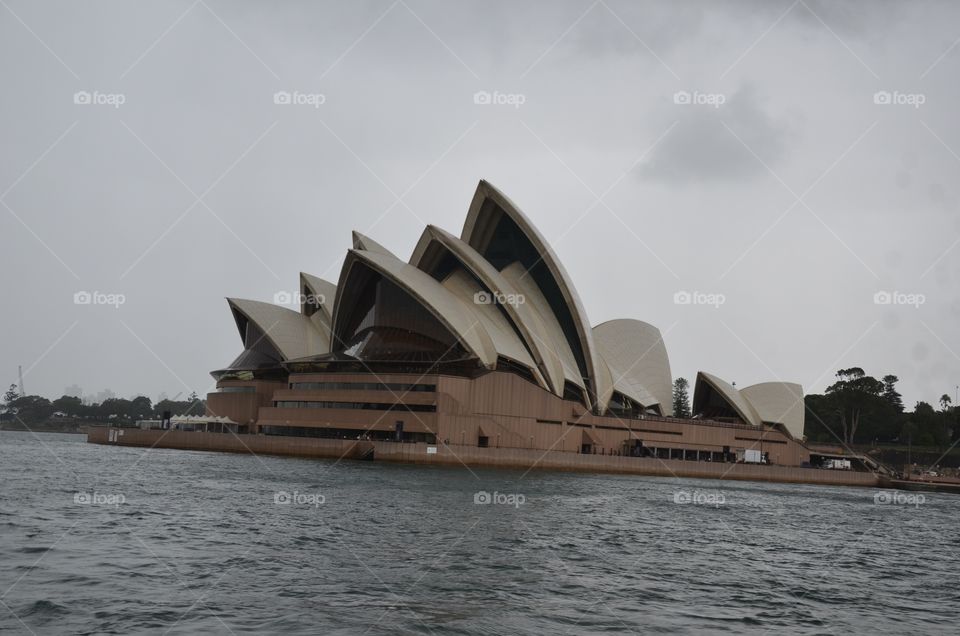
715, 143
399, 98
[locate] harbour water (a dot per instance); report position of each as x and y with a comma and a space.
107, 539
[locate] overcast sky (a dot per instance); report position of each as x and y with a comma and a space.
783, 188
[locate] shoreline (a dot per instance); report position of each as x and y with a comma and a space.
463, 455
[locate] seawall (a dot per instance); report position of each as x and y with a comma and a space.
456, 455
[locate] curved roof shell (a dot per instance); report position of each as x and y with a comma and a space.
505, 339
325, 294
500, 243
778, 403
291, 333
428, 256
551, 338
434, 297
367, 244
729, 393
637, 357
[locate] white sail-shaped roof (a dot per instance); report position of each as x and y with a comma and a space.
367, 244
480, 231
638, 361
778, 403
523, 317
433, 296
730, 395
505, 340
551, 338
291, 333
324, 295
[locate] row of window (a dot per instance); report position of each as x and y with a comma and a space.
237, 389
365, 406
347, 433
364, 386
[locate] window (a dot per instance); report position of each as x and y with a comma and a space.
365, 406
364, 386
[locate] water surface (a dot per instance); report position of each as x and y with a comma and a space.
101, 539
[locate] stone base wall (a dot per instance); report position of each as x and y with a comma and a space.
455, 455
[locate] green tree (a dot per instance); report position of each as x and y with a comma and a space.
68, 404
120, 408
141, 407
855, 395
11, 395
681, 398
822, 421
930, 429
33, 409
945, 402
890, 393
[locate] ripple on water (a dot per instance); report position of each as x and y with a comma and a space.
404, 549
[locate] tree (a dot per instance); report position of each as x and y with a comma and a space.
33, 409
179, 407
11, 395
681, 398
141, 408
119, 407
68, 404
945, 402
930, 426
855, 394
890, 393
822, 418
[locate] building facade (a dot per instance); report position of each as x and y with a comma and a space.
482, 341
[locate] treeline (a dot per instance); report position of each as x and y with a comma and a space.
35, 409
860, 409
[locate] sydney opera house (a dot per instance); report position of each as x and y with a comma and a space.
481, 341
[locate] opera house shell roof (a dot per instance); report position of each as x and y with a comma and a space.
497, 297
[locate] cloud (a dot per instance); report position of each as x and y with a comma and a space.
715, 143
